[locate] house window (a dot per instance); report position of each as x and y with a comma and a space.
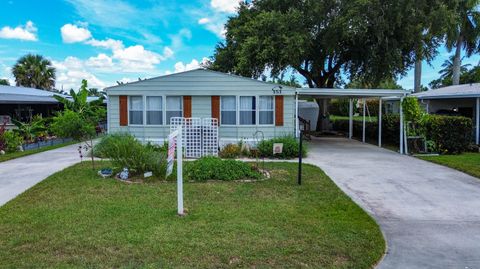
136, 110
174, 107
228, 110
265, 108
247, 110
154, 110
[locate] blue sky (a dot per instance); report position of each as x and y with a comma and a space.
108, 41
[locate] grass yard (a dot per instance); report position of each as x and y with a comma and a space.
75, 219
466, 162
18, 154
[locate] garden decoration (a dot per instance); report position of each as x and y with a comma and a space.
106, 172
124, 174
257, 135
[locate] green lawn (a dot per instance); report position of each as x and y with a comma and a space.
18, 154
466, 162
75, 219
355, 118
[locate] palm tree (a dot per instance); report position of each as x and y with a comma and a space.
34, 71
464, 33
448, 68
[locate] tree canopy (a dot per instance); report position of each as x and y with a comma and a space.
4, 81
34, 71
319, 39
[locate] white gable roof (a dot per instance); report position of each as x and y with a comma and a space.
197, 82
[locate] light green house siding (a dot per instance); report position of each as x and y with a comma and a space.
201, 85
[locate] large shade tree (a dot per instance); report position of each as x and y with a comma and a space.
464, 34
34, 71
320, 39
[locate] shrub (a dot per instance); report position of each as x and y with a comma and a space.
372, 108
290, 147
12, 141
451, 134
230, 151
339, 107
126, 151
214, 168
390, 129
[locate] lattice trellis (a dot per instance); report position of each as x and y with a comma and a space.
200, 136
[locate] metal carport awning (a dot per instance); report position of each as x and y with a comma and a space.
356, 94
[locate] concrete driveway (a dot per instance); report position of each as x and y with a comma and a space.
20, 174
430, 214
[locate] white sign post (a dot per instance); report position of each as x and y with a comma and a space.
176, 138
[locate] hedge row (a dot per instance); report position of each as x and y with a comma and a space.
450, 134
390, 129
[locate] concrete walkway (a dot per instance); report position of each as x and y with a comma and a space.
429, 214
20, 174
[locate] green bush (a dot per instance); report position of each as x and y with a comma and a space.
390, 129
230, 151
12, 141
448, 134
339, 107
451, 134
126, 151
214, 168
290, 147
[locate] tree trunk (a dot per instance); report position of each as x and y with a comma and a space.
457, 61
418, 76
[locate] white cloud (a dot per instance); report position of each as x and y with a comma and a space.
167, 53
227, 6
137, 58
203, 21
70, 73
73, 34
27, 32
102, 61
107, 43
194, 64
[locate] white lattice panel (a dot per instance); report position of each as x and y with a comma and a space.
200, 136
210, 136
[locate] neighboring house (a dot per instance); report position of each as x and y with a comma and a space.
242, 106
457, 100
23, 103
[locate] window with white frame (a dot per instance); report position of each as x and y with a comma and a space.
265, 108
136, 110
174, 107
247, 110
228, 110
154, 110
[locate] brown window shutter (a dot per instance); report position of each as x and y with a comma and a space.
216, 107
187, 106
279, 110
123, 110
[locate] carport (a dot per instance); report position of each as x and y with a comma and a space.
352, 94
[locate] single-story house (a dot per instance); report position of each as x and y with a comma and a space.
23, 103
456, 100
245, 108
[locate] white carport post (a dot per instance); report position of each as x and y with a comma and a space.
297, 125
380, 122
477, 119
350, 118
401, 125
363, 122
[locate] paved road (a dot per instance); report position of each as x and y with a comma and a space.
429, 214
20, 174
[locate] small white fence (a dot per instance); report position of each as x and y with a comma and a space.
199, 136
